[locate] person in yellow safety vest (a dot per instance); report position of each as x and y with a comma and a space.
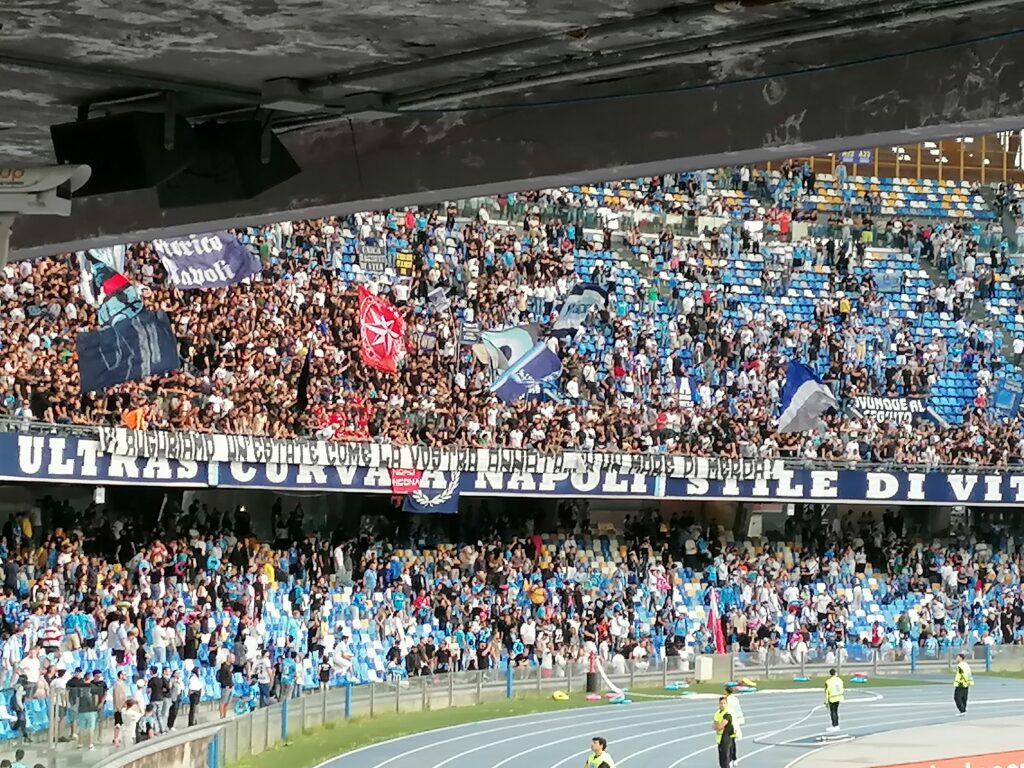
598, 757
725, 733
835, 692
962, 682
732, 701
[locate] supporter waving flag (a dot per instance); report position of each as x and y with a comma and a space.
715, 623
804, 399
132, 343
381, 332
538, 365
104, 285
575, 307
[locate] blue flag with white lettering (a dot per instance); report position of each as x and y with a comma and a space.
128, 351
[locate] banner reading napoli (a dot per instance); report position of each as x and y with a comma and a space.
206, 261
128, 351
575, 307
538, 365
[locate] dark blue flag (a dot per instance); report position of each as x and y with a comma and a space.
128, 351
442, 502
530, 370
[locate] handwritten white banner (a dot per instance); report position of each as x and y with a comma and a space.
193, 446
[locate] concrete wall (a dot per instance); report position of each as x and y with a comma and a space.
181, 750
191, 754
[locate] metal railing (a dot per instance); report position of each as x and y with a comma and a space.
261, 729
686, 224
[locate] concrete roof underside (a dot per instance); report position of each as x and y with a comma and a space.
417, 101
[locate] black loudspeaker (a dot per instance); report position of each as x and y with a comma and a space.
227, 165
126, 152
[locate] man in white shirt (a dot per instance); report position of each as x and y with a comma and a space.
30, 667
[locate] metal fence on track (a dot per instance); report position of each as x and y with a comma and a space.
262, 729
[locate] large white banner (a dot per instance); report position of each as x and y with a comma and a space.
193, 446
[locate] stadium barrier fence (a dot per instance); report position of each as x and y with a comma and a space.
220, 743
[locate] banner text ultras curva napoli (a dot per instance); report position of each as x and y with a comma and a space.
192, 446
43, 458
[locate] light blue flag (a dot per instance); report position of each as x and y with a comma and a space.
506, 346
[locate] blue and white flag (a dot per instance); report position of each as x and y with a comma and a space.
130, 350
502, 348
206, 261
104, 285
575, 307
804, 399
439, 299
529, 371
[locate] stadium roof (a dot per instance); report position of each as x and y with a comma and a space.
390, 102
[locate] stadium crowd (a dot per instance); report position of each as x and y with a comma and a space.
674, 363
104, 610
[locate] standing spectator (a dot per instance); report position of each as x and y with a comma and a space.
177, 690
264, 674
195, 693
226, 679
133, 713
120, 702
159, 697
89, 697
18, 705
288, 672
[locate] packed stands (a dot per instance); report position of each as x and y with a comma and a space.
679, 306
919, 198
350, 611
687, 357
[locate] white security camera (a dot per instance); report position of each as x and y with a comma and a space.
43, 190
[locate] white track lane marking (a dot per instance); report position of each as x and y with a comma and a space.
585, 714
761, 736
775, 711
701, 734
676, 722
473, 733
